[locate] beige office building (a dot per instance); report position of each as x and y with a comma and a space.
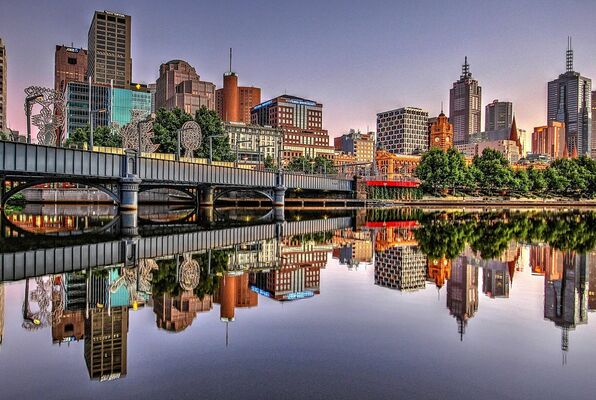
109, 56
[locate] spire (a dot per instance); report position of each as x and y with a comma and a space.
514, 136
465, 69
574, 151
442, 113
569, 55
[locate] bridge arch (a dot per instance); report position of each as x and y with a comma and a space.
264, 193
29, 184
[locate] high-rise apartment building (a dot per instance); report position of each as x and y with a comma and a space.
570, 102
549, 139
70, 65
401, 268
360, 145
403, 131
301, 121
441, 133
179, 86
498, 115
465, 99
3, 87
109, 57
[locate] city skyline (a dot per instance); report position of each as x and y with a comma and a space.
318, 58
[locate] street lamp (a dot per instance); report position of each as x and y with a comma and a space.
211, 146
312, 167
28, 101
97, 111
237, 143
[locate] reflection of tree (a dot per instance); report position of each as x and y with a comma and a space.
446, 235
165, 279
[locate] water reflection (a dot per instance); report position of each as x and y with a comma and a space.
407, 250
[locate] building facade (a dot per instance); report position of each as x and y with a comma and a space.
233, 102
179, 86
498, 115
301, 121
465, 99
549, 139
403, 131
360, 145
254, 143
117, 102
401, 268
3, 87
70, 65
593, 149
441, 133
109, 56
570, 102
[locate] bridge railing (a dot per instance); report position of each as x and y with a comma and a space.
40, 160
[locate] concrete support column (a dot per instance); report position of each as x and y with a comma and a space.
129, 203
279, 200
206, 197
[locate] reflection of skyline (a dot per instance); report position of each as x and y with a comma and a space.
291, 269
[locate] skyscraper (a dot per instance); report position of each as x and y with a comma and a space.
570, 101
106, 335
593, 125
3, 88
403, 131
179, 86
70, 65
109, 56
462, 293
498, 115
465, 99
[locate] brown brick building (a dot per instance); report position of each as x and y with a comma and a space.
70, 65
233, 102
302, 123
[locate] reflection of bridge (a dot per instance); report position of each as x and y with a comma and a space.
25, 264
122, 177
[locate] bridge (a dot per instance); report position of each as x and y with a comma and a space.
19, 264
123, 176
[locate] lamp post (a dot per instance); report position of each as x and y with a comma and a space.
28, 101
312, 167
211, 146
237, 143
97, 111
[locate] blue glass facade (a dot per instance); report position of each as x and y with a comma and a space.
118, 103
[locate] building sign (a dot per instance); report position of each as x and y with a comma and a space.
302, 102
72, 49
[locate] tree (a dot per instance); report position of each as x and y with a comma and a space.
165, 127
309, 165
434, 171
495, 172
269, 162
537, 181
102, 136
521, 181
211, 125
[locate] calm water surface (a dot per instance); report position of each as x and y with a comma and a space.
384, 304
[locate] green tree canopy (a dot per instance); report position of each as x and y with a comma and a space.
102, 136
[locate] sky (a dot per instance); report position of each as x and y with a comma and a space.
358, 58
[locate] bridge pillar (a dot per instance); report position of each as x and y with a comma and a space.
206, 197
206, 215
129, 223
279, 200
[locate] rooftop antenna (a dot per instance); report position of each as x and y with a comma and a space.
569, 55
465, 69
230, 60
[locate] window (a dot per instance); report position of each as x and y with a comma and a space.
72, 61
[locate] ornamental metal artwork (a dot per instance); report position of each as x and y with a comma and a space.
51, 115
189, 273
42, 295
130, 132
192, 138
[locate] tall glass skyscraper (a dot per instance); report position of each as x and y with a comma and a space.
465, 99
569, 101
